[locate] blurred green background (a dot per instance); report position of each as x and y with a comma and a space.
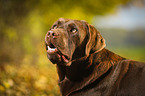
24, 67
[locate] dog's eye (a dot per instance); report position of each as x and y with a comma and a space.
73, 30
55, 26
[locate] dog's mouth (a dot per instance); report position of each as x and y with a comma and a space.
52, 50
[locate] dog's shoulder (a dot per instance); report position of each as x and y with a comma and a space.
135, 67
133, 80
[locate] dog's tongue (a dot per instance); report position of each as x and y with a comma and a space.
63, 57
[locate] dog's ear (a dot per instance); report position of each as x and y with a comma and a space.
95, 42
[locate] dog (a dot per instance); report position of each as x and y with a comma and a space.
85, 67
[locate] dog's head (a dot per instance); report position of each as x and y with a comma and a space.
69, 40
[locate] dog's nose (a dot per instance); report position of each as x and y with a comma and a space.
52, 34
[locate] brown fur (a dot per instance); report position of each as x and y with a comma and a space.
93, 70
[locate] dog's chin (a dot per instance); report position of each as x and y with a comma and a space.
58, 59
56, 56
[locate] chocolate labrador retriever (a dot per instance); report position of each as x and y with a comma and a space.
86, 68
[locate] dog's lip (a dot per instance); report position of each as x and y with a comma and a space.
51, 50
65, 58
55, 50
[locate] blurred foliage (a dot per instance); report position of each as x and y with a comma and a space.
24, 67
28, 80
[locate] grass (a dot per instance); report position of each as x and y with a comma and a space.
133, 53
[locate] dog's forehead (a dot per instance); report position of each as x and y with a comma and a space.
63, 21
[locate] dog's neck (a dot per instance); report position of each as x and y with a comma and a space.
77, 76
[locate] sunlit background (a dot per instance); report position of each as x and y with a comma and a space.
24, 67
